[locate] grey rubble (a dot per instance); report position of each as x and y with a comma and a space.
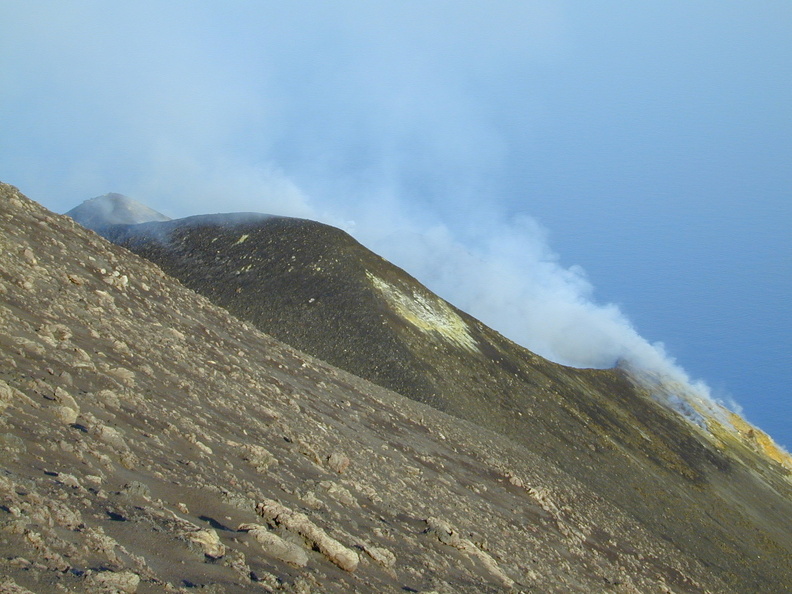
154, 443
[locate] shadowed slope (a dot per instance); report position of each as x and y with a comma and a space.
316, 288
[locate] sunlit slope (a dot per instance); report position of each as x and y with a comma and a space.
319, 290
154, 443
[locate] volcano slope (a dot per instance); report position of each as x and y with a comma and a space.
152, 442
720, 495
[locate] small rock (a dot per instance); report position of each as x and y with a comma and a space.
276, 547
29, 257
338, 462
109, 398
443, 531
69, 480
66, 399
382, 556
110, 436
136, 488
110, 581
66, 415
339, 493
65, 516
124, 376
260, 458
209, 542
312, 501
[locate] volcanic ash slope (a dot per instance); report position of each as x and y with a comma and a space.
152, 443
700, 485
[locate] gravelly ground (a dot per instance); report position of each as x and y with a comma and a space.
151, 442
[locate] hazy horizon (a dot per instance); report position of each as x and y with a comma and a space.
588, 180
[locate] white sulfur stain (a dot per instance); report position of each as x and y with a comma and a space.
427, 313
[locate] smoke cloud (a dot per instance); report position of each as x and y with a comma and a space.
507, 275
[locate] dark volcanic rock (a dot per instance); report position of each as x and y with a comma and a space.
298, 280
154, 443
316, 288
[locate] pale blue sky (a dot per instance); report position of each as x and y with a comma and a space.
648, 143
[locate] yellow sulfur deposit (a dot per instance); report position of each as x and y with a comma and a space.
427, 313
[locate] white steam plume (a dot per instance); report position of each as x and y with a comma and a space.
193, 108
510, 279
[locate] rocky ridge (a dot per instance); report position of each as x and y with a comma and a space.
697, 478
152, 442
